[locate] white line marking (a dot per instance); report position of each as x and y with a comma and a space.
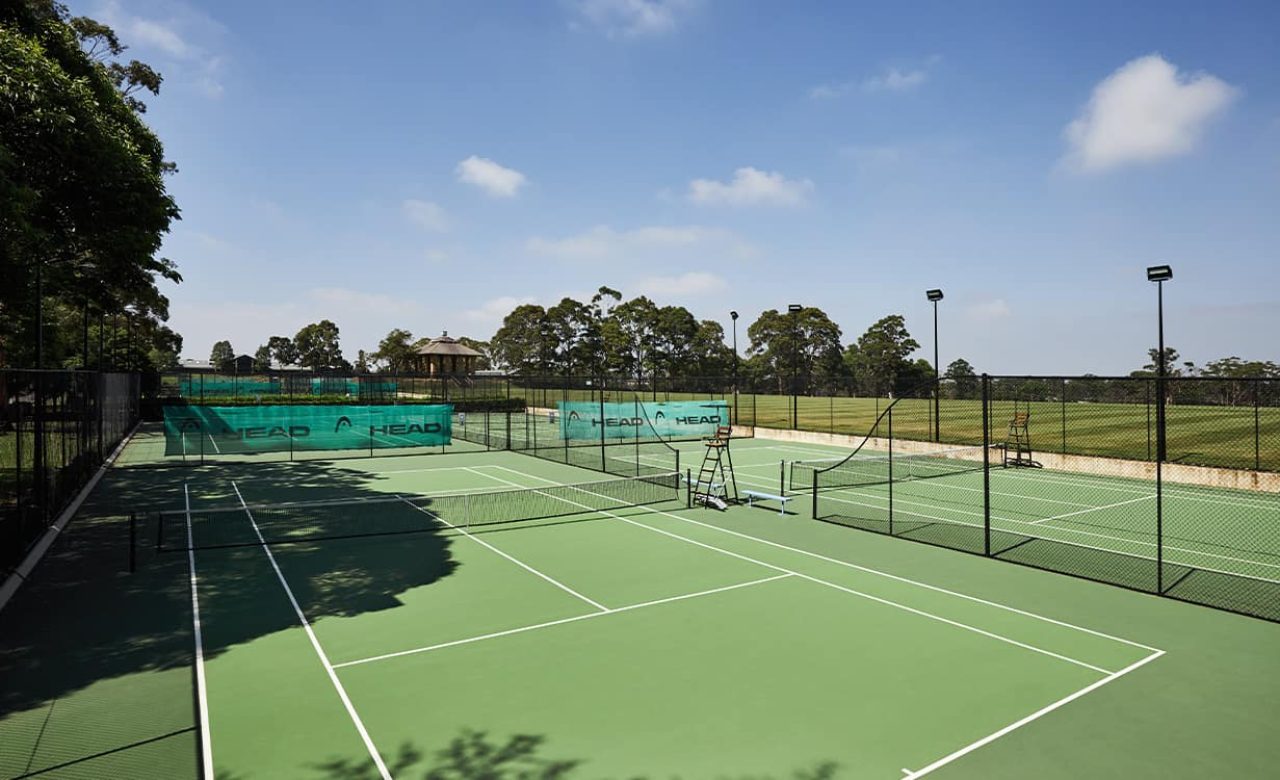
1092, 509
851, 591
214, 442
947, 759
896, 577
202, 694
514, 560
549, 623
315, 643
1174, 491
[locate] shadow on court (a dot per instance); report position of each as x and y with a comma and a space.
473, 755
96, 662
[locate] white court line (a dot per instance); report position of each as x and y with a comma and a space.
775, 567
947, 759
513, 559
561, 621
315, 643
879, 573
202, 694
1093, 509
214, 442
1078, 531
1171, 489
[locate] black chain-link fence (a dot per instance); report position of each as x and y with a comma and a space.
1200, 525
56, 428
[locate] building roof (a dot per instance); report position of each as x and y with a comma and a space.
444, 345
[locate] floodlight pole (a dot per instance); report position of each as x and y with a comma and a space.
733, 315
934, 296
1160, 274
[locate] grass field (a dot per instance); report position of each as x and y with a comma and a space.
642, 641
1222, 436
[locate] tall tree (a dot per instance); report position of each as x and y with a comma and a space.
804, 344
396, 351
318, 346
262, 358
880, 355
522, 345
222, 357
963, 377
629, 342
83, 205
283, 350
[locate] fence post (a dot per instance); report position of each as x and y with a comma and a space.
1064, 415
1257, 432
986, 465
891, 471
1161, 432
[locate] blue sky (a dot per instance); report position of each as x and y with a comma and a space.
428, 165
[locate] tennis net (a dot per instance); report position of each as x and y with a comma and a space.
859, 472
344, 519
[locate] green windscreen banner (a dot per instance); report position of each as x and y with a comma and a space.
287, 427
631, 420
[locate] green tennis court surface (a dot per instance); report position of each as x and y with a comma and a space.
624, 631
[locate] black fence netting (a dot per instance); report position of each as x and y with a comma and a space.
1103, 504
56, 429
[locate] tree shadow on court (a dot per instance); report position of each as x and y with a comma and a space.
474, 755
83, 619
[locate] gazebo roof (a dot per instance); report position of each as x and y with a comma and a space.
444, 345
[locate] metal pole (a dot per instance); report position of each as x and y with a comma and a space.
1160, 439
1160, 373
39, 316
937, 378
986, 466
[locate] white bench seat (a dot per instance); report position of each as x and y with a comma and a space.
763, 496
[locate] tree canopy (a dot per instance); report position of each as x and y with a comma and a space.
83, 203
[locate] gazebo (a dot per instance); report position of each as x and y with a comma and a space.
444, 355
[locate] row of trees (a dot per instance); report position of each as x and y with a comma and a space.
83, 203
315, 346
638, 339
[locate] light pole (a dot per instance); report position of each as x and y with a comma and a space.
1160, 274
793, 311
934, 296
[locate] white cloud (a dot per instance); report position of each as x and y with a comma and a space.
436, 255
603, 242
889, 80
687, 285
491, 177
750, 187
1143, 112
425, 215
490, 313
894, 80
149, 32
631, 18
989, 311
184, 37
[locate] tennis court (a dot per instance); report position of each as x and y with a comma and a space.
624, 626
380, 617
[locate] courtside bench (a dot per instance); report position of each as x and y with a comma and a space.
760, 495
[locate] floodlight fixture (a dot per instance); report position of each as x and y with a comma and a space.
933, 295
1159, 273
